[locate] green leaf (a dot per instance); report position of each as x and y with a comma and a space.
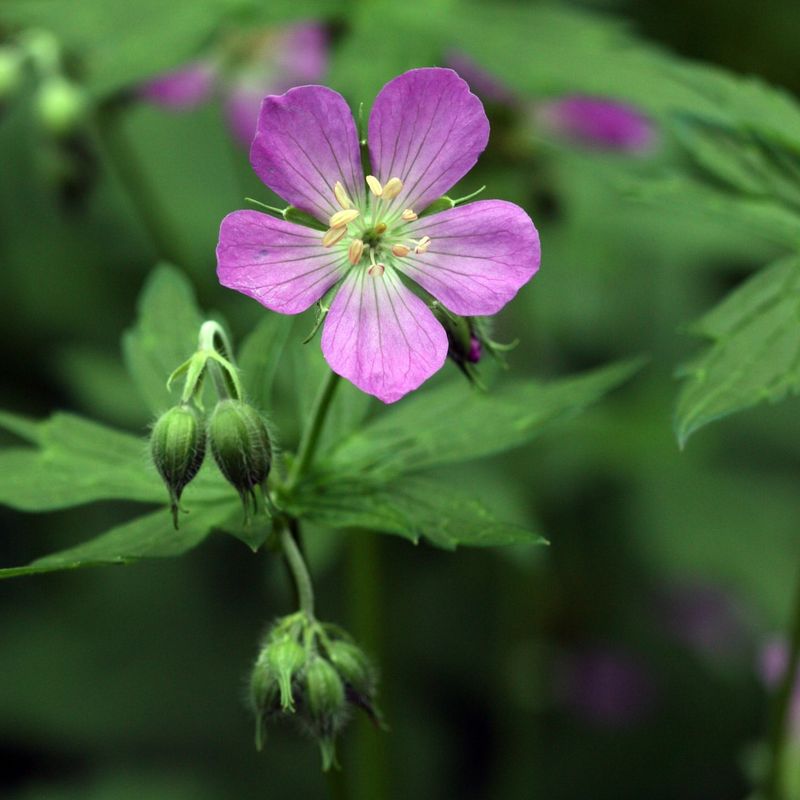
455, 423
742, 160
755, 350
149, 536
164, 336
260, 355
411, 507
78, 461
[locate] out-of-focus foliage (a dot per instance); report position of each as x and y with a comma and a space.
127, 682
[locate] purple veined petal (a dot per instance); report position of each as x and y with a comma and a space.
305, 141
478, 258
381, 336
183, 89
282, 265
427, 129
597, 122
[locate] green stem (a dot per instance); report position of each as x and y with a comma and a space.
773, 784
148, 207
369, 777
299, 570
310, 437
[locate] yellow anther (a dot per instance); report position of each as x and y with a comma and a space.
408, 215
422, 245
380, 228
400, 250
343, 217
393, 188
341, 195
355, 251
333, 235
376, 270
374, 185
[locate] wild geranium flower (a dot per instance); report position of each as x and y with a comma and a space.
425, 132
242, 69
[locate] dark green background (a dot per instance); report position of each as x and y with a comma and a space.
122, 683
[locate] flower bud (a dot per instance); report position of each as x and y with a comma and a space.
327, 706
178, 445
285, 658
241, 445
352, 665
60, 105
464, 345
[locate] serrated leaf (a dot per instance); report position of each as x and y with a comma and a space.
78, 462
164, 336
260, 355
149, 536
454, 423
411, 507
755, 351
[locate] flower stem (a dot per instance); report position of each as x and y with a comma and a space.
773, 784
310, 437
299, 570
108, 124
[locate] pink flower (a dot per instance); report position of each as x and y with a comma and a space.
589, 121
597, 122
268, 62
426, 131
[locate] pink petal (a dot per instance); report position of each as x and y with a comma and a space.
182, 89
427, 129
305, 141
303, 52
479, 256
381, 336
282, 265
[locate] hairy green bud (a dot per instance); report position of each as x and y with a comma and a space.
327, 707
285, 658
241, 445
352, 665
60, 105
178, 446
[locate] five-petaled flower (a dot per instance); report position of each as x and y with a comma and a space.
426, 131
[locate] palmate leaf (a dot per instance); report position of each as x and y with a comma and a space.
754, 354
453, 424
260, 355
77, 461
164, 336
149, 536
413, 507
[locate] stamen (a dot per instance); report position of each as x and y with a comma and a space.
380, 228
344, 217
341, 195
376, 270
408, 215
400, 250
356, 251
422, 245
333, 235
393, 188
374, 185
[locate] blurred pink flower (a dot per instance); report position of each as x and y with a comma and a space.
244, 70
601, 123
772, 663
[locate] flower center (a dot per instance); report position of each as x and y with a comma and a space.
374, 237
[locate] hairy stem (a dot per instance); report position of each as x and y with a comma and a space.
299, 570
773, 784
310, 437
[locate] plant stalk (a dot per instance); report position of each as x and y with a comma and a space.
299, 570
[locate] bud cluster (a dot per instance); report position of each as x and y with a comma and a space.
237, 435
314, 674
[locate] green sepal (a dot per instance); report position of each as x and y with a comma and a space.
442, 204
292, 214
